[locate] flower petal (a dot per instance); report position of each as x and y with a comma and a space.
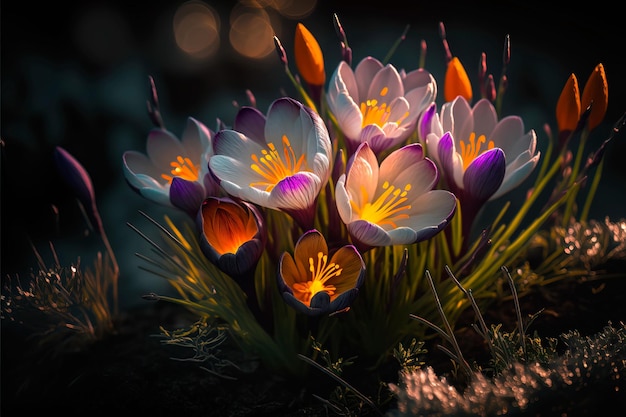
186, 195
485, 174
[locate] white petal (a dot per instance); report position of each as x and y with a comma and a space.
197, 138
162, 148
286, 118
362, 176
402, 236
430, 209
364, 72
348, 115
516, 177
418, 79
509, 135
236, 145
385, 86
158, 195
136, 163
369, 233
485, 118
229, 169
342, 199
454, 114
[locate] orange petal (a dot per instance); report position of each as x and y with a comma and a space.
227, 226
568, 106
596, 91
309, 57
457, 82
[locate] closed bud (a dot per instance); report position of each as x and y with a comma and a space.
568, 106
309, 57
457, 82
596, 94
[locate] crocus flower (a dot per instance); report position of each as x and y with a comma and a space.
280, 162
174, 172
394, 203
470, 133
481, 158
314, 282
376, 104
232, 235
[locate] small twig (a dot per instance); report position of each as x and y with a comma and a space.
341, 381
518, 311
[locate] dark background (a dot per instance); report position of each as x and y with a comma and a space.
83, 84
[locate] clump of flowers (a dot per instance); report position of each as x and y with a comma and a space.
321, 218
337, 216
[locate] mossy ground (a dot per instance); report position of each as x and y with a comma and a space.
133, 371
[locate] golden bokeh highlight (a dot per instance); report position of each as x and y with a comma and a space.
251, 33
197, 29
291, 9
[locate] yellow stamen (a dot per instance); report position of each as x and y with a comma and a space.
182, 168
388, 207
472, 149
273, 168
378, 114
320, 273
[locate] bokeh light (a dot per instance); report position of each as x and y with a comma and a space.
251, 33
197, 29
291, 9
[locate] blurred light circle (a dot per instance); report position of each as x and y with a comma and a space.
291, 9
251, 33
197, 29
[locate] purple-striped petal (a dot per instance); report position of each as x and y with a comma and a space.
484, 175
186, 195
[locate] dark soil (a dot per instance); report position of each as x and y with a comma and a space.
133, 371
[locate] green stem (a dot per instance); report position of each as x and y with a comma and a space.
592, 191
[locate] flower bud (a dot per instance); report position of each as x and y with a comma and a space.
309, 57
596, 94
568, 106
457, 82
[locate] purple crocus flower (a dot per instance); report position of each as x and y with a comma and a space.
174, 172
280, 161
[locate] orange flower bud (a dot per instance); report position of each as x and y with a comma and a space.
457, 82
568, 106
596, 92
309, 57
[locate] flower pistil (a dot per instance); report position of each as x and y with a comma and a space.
473, 148
182, 168
373, 113
274, 168
388, 206
321, 272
